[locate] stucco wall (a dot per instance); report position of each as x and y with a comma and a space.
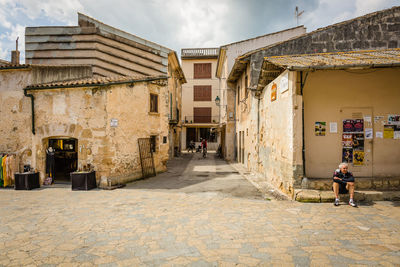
187, 89
334, 95
85, 114
272, 147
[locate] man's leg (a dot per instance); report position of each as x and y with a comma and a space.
350, 187
336, 189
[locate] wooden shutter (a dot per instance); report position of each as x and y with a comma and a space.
202, 93
202, 115
202, 71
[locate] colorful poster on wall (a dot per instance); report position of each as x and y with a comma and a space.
394, 119
347, 140
369, 133
359, 125
273, 92
348, 126
388, 131
358, 142
320, 128
347, 155
358, 158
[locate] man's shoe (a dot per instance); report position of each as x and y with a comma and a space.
336, 202
352, 203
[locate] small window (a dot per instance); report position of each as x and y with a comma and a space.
153, 143
202, 93
153, 103
202, 71
164, 139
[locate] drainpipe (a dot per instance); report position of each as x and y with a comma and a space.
302, 83
33, 109
258, 131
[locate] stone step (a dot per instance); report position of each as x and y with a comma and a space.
317, 196
364, 183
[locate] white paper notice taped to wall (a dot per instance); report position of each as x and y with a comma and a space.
369, 133
284, 83
379, 134
333, 127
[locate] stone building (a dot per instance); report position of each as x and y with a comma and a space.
226, 58
92, 121
200, 114
292, 126
111, 52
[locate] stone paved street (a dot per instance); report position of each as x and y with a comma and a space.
200, 213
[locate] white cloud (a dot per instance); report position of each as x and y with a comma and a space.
329, 12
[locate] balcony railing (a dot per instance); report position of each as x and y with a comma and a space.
199, 52
201, 119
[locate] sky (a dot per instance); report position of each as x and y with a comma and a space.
179, 24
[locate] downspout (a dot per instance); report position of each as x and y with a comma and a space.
33, 109
302, 120
258, 132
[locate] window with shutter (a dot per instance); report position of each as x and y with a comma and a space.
202, 71
153, 103
202, 93
202, 115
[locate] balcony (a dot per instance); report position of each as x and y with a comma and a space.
201, 119
199, 53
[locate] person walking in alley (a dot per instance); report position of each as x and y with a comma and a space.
204, 146
343, 182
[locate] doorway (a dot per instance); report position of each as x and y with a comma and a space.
65, 157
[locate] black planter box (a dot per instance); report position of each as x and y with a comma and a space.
83, 180
27, 181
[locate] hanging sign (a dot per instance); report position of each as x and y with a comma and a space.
273, 92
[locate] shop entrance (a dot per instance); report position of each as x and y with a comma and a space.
63, 160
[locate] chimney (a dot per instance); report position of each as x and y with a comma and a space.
15, 54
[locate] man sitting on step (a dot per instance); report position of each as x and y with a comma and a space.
343, 182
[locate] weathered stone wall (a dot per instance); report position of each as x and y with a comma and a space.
377, 30
15, 113
15, 108
278, 151
272, 149
85, 114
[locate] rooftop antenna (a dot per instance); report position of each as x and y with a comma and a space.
297, 14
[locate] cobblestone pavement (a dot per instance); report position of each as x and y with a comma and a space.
151, 224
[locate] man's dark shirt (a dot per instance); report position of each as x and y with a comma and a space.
346, 177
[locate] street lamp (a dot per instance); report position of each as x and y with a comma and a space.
217, 100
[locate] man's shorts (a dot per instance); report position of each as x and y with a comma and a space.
342, 187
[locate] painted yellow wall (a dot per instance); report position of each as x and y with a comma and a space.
333, 95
